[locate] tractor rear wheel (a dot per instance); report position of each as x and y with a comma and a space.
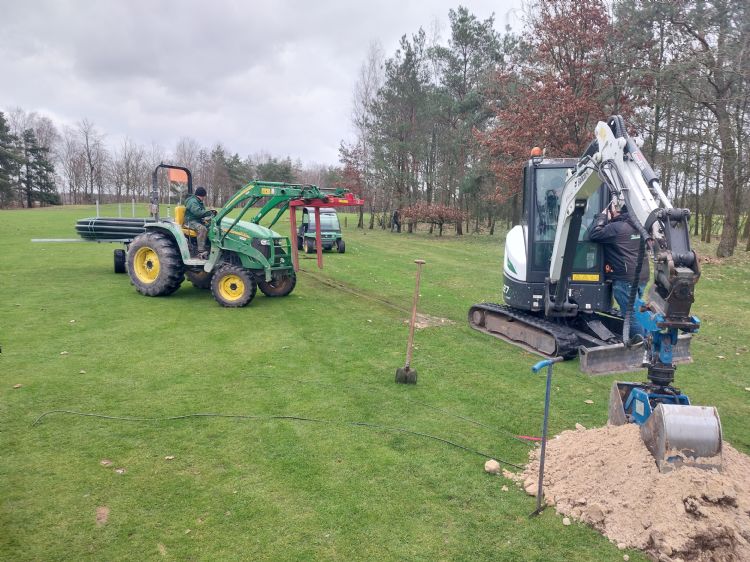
233, 286
155, 265
279, 287
200, 279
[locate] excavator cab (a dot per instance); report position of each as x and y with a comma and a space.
543, 185
529, 246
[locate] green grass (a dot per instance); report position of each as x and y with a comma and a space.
278, 489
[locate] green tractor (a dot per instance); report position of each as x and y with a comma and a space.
243, 255
330, 231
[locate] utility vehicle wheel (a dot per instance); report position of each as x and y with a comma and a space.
280, 287
340, 246
200, 279
309, 246
155, 265
120, 266
233, 286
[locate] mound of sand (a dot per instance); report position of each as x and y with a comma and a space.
606, 478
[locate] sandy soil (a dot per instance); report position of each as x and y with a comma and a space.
606, 478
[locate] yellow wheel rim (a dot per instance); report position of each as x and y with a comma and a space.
146, 264
231, 287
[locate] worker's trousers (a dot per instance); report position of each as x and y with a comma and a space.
621, 292
201, 233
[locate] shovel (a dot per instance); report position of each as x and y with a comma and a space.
405, 374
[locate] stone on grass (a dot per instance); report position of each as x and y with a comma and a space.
492, 466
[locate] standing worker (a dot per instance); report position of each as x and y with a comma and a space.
196, 218
621, 240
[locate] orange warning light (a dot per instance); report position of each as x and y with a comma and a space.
536, 152
177, 176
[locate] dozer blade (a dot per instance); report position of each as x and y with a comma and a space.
683, 435
617, 358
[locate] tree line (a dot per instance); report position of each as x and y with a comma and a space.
451, 123
41, 164
443, 126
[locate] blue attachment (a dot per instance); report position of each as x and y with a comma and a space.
638, 404
541, 365
661, 341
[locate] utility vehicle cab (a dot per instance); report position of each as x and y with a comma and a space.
330, 230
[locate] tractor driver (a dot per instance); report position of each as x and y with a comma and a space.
196, 218
621, 241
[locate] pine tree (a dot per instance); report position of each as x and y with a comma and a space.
8, 162
36, 177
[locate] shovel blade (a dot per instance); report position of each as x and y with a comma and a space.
406, 375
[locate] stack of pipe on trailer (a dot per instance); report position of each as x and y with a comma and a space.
104, 229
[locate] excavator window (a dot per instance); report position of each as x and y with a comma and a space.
547, 191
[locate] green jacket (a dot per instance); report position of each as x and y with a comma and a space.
194, 210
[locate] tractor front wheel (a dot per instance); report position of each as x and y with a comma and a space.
279, 287
309, 246
232, 286
340, 246
155, 265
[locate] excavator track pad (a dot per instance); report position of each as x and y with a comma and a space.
538, 335
532, 333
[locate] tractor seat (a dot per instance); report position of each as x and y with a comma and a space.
179, 218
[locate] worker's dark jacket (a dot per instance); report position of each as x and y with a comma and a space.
194, 210
621, 243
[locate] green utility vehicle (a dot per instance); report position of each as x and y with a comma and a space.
330, 231
243, 254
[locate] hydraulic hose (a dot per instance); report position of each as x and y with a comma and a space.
633, 220
633, 292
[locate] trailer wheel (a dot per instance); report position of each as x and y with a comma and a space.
340, 246
278, 287
120, 265
309, 246
200, 279
155, 265
232, 286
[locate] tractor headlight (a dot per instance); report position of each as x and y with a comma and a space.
265, 242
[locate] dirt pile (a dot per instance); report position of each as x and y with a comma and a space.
607, 478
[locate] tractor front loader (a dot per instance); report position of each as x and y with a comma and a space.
244, 256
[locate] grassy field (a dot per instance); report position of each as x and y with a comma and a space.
255, 485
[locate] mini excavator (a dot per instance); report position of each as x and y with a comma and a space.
558, 303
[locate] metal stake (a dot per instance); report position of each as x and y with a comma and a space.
540, 486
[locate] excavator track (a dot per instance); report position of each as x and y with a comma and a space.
525, 330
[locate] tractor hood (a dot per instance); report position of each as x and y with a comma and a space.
249, 229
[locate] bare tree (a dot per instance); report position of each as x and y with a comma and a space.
186, 152
370, 80
95, 153
713, 71
72, 164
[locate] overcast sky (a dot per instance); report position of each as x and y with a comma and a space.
257, 75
